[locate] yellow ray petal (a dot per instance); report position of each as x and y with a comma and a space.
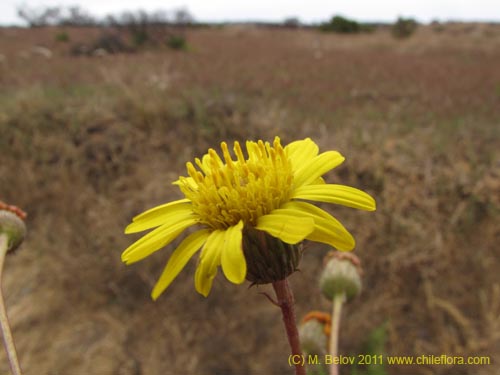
301, 151
316, 167
232, 258
164, 214
327, 229
318, 181
155, 240
339, 194
286, 226
153, 211
209, 260
188, 247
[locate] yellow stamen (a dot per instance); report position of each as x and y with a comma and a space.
228, 190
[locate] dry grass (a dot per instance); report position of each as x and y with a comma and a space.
87, 143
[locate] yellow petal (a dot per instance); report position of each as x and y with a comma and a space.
155, 240
209, 260
316, 167
339, 194
164, 214
286, 225
153, 210
233, 260
179, 258
318, 181
301, 151
327, 229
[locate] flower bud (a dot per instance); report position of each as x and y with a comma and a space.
341, 274
13, 228
268, 258
314, 332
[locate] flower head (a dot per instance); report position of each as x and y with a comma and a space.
12, 225
266, 191
341, 275
314, 332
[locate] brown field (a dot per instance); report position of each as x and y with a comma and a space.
86, 143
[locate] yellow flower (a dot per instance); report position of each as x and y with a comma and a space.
266, 191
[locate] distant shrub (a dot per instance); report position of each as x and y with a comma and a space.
111, 43
437, 26
339, 24
62, 37
106, 42
139, 37
291, 22
368, 27
404, 27
138, 25
176, 42
153, 28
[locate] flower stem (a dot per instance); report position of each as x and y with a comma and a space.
286, 302
338, 301
4, 320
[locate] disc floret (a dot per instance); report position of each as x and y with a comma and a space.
226, 191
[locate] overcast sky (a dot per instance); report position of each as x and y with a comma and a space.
277, 10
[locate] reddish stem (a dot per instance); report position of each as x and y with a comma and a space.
286, 302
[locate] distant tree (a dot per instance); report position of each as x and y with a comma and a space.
404, 27
46, 16
37, 17
176, 39
76, 16
159, 17
138, 25
182, 17
339, 24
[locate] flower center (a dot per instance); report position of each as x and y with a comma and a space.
224, 192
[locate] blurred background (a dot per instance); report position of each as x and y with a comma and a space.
101, 108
